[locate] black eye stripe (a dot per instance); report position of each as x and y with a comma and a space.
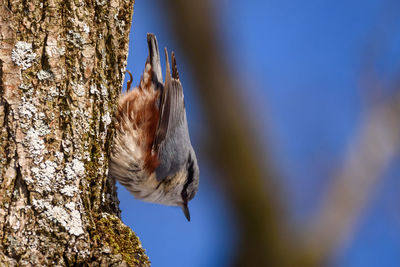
159, 184
189, 179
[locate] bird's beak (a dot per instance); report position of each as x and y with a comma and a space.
186, 211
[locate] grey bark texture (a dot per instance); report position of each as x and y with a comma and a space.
62, 64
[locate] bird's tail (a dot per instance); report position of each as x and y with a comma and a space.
154, 57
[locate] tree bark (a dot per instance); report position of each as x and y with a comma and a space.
62, 64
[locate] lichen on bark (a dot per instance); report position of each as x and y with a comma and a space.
62, 64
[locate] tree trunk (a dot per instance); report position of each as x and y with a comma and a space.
62, 64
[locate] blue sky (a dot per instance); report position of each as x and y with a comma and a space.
303, 62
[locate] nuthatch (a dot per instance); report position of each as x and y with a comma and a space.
152, 155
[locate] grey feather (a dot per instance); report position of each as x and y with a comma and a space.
175, 73
173, 149
154, 55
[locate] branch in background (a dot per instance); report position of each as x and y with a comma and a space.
369, 154
373, 148
264, 238
246, 173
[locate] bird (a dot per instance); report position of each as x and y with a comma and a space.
152, 155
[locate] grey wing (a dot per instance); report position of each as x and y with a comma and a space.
172, 138
165, 109
171, 112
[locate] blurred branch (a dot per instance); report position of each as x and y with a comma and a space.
235, 151
369, 154
248, 176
